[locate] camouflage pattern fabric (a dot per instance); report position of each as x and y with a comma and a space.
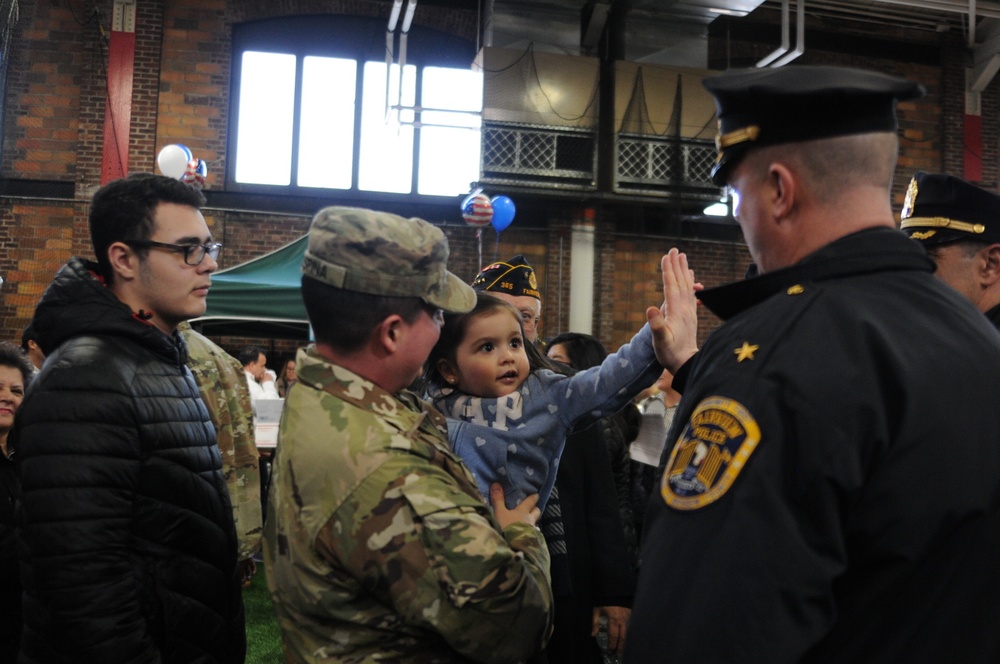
381, 253
224, 390
378, 545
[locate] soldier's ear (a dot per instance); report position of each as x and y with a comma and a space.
389, 333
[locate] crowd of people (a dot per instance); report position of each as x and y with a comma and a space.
818, 482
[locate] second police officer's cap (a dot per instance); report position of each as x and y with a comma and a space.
759, 107
943, 208
384, 254
513, 277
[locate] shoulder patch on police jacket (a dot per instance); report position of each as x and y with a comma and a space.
710, 453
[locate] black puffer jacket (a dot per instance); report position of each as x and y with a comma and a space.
10, 578
129, 545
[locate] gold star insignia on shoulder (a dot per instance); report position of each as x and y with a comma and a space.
746, 351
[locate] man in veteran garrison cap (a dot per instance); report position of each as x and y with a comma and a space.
829, 486
514, 281
959, 225
378, 544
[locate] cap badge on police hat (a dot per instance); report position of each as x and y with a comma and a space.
942, 208
911, 198
384, 254
513, 277
758, 107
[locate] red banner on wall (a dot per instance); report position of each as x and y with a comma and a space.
118, 108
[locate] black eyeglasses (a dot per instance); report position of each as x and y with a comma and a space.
194, 254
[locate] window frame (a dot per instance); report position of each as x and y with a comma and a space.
358, 38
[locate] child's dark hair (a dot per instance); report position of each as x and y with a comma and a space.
455, 326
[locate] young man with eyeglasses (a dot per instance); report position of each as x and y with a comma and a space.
129, 551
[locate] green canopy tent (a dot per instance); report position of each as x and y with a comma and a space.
260, 298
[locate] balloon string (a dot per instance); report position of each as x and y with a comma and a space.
496, 248
479, 238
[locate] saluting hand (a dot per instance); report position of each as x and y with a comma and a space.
675, 322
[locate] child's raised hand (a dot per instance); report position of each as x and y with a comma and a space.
675, 323
525, 512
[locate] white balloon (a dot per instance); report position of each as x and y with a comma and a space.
173, 160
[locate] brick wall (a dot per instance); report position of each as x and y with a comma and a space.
46, 70
54, 125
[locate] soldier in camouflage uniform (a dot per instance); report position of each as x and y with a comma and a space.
224, 390
378, 544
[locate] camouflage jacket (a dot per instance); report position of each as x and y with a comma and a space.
224, 390
378, 545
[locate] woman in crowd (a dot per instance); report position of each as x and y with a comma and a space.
582, 351
603, 550
15, 373
287, 378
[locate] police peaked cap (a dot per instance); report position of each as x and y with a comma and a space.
943, 208
759, 107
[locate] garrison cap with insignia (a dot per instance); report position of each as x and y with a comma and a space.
384, 254
760, 107
514, 277
943, 208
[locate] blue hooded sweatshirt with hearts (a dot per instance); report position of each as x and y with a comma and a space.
517, 439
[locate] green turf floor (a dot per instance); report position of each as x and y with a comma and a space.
263, 635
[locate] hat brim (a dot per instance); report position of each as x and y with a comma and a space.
457, 297
724, 166
930, 237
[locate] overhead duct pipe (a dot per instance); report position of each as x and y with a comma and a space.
800, 36
411, 6
397, 6
786, 42
986, 10
783, 55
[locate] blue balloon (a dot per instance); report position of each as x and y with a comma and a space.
503, 212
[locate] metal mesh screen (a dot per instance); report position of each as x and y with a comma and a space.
535, 154
654, 163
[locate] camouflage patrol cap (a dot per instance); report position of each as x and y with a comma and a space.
384, 254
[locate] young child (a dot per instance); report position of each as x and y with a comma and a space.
509, 416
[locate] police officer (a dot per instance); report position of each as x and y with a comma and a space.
378, 544
959, 225
830, 489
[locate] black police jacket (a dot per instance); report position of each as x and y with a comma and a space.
831, 484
